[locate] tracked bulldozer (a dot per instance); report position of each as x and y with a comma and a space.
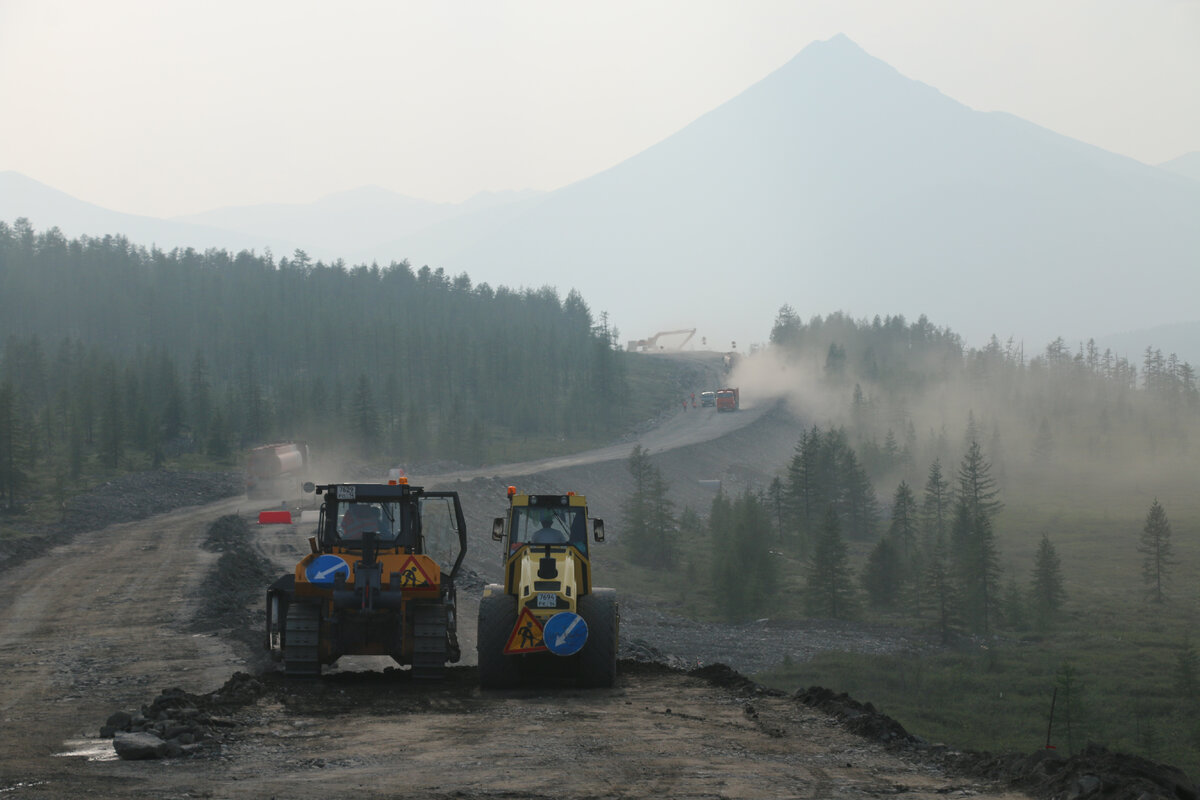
546, 619
379, 580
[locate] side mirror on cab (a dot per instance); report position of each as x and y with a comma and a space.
498, 529
598, 530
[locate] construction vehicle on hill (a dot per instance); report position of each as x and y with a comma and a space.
276, 469
379, 580
547, 618
728, 400
651, 345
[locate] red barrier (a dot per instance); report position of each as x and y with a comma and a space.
274, 518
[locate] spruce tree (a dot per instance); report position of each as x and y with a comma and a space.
829, 590
859, 506
13, 446
935, 505
805, 487
940, 587
200, 396
365, 418
976, 486
1046, 590
903, 527
1155, 546
883, 573
976, 558
651, 528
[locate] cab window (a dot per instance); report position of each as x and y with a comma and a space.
359, 518
533, 525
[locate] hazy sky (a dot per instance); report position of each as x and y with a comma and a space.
167, 108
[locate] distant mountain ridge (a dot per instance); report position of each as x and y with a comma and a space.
344, 224
341, 225
1187, 165
837, 184
46, 207
833, 184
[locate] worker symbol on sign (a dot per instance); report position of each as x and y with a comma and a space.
413, 575
528, 637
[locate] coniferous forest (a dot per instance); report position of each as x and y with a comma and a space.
119, 356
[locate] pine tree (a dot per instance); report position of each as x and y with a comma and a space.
806, 487
903, 527
365, 417
935, 505
976, 487
747, 547
200, 396
112, 429
883, 573
651, 528
1155, 545
940, 587
664, 529
1046, 590
774, 501
976, 559
1013, 605
859, 506
13, 446
829, 590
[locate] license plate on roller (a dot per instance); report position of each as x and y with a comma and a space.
547, 600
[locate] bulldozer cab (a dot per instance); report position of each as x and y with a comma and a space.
393, 518
393, 524
379, 581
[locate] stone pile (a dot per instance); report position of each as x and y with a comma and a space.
179, 724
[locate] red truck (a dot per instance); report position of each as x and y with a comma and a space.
728, 400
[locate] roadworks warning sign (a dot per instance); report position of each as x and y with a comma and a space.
526, 636
413, 575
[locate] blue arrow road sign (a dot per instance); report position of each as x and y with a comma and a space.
565, 633
324, 569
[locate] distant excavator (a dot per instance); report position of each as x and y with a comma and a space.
648, 345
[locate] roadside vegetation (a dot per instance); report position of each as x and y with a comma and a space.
1035, 516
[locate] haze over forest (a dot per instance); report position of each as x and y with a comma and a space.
834, 184
861, 223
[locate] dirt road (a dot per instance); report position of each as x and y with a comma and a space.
103, 623
106, 621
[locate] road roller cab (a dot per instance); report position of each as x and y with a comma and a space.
547, 617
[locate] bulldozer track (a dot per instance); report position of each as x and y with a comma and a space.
429, 641
302, 641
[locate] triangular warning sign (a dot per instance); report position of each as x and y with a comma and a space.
526, 636
413, 575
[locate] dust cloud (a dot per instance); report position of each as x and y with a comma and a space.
1053, 433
